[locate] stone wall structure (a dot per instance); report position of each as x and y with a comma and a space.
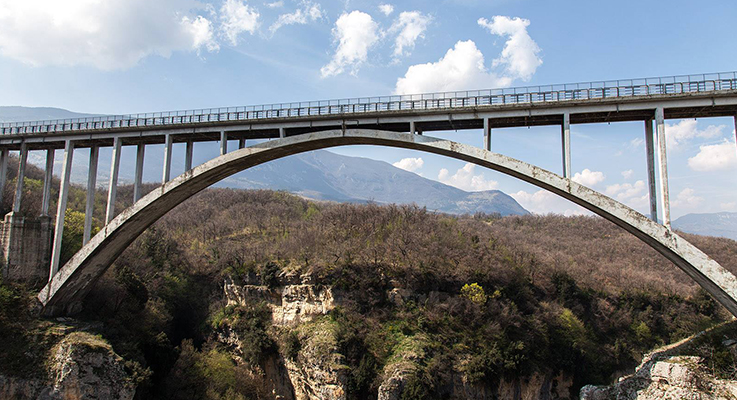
25, 247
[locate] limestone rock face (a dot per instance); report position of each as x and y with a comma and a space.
81, 366
675, 377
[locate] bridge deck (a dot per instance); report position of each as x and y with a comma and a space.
710, 95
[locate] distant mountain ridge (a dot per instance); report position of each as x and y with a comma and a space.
319, 175
722, 224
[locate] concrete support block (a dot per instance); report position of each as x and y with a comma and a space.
651, 182
241, 143
167, 159
91, 187
113, 186
61, 208
662, 167
487, 134
189, 152
26, 248
140, 154
566, 144
282, 133
412, 129
46, 196
22, 158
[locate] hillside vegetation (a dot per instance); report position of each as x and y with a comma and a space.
491, 298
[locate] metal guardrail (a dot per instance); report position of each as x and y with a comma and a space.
429, 101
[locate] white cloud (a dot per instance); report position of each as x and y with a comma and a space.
410, 164
715, 157
628, 174
463, 66
355, 32
686, 130
588, 177
544, 202
276, 4
238, 17
520, 54
465, 179
108, 35
633, 195
729, 206
411, 25
636, 142
309, 12
386, 9
687, 199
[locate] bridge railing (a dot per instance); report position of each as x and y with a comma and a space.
428, 101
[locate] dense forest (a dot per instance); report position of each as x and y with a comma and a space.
489, 298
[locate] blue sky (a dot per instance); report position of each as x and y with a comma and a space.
125, 56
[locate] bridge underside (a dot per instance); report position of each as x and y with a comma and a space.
66, 290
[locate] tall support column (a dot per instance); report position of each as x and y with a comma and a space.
412, 129
282, 133
565, 134
46, 197
61, 207
487, 134
167, 159
662, 167
188, 155
241, 143
21, 176
113, 187
735, 135
223, 143
140, 153
651, 183
3, 171
91, 187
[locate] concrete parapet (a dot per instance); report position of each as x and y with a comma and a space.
25, 244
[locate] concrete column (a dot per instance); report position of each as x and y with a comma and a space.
241, 143
566, 142
113, 186
167, 159
650, 154
487, 134
3, 171
735, 139
140, 153
46, 197
23, 156
223, 143
282, 133
662, 167
91, 187
412, 129
188, 155
61, 207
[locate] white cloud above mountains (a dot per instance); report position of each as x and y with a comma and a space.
588, 177
108, 35
410, 164
464, 67
715, 157
465, 179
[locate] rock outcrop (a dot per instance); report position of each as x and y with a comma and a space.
81, 366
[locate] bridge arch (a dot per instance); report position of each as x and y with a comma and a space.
66, 289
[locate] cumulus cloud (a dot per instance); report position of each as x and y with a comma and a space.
686, 130
687, 198
410, 25
309, 12
276, 4
238, 17
588, 177
544, 202
519, 57
628, 174
386, 9
108, 35
355, 32
463, 66
633, 195
715, 157
465, 179
410, 164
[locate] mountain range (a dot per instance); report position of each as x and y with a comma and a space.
722, 224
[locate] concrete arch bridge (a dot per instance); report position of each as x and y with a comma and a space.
396, 121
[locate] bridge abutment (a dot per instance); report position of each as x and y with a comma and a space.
26, 248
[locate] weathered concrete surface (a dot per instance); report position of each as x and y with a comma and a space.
26, 248
65, 291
